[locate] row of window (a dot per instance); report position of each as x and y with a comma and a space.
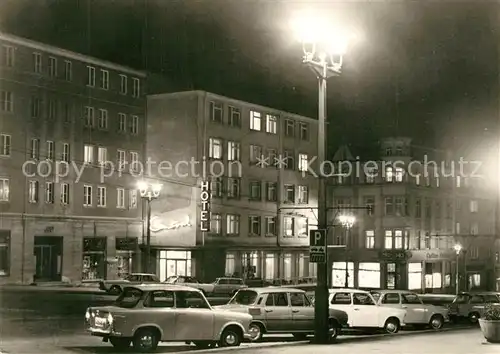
396, 175
102, 120
54, 71
257, 122
89, 156
398, 206
257, 155
231, 188
403, 239
258, 226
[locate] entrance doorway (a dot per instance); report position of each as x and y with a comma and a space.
48, 258
174, 263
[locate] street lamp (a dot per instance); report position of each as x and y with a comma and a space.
347, 221
149, 192
458, 249
323, 48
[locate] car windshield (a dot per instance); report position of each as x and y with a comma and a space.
461, 299
129, 298
244, 297
171, 280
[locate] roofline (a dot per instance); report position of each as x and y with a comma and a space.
69, 54
231, 100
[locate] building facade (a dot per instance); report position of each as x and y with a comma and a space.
253, 161
421, 206
70, 127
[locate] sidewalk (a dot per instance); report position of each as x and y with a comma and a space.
465, 341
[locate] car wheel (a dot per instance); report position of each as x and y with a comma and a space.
474, 317
231, 337
205, 344
256, 332
334, 329
115, 290
436, 322
146, 340
391, 325
120, 343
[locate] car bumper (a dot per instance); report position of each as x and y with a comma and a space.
247, 336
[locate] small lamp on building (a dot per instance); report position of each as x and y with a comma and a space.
148, 192
347, 221
458, 249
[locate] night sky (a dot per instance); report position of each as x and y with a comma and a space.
427, 70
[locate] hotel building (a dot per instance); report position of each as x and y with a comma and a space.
66, 120
406, 239
259, 214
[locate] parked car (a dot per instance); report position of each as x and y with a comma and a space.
364, 312
144, 315
206, 288
114, 287
228, 286
471, 305
278, 310
417, 313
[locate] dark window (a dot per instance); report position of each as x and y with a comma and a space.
341, 299
390, 298
410, 299
161, 299
298, 299
362, 299
277, 299
190, 299
244, 297
129, 298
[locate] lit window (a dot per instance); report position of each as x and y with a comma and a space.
303, 192
233, 224
120, 198
388, 239
399, 172
5, 145
102, 155
389, 174
303, 165
255, 121
288, 226
33, 192
370, 239
132, 202
215, 148
271, 124
233, 151
88, 154
4, 189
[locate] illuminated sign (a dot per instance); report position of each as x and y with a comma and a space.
157, 225
205, 206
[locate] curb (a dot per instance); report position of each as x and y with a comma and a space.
339, 340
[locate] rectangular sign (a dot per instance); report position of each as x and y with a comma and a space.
205, 206
317, 246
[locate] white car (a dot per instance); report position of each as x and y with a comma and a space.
206, 288
417, 313
115, 287
363, 311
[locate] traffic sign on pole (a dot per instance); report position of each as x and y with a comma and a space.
317, 246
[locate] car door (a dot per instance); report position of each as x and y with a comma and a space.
159, 309
194, 318
416, 311
221, 286
302, 312
343, 301
278, 312
148, 279
365, 312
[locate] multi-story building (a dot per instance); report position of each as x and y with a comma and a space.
68, 208
421, 206
253, 162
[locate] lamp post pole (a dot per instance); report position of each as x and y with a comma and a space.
458, 249
148, 192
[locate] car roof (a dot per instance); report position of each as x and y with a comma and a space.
274, 289
341, 290
230, 278
387, 291
479, 293
166, 287
143, 274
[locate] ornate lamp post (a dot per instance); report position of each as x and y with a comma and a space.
458, 249
148, 192
347, 221
323, 49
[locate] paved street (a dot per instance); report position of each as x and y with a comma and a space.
51, 320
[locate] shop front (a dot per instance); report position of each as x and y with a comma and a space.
126, 255
174, 262
48, 258
94, 258
432, 271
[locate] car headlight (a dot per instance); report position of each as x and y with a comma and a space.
110, 318
87, 314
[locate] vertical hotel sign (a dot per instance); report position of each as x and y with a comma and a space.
205, 206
